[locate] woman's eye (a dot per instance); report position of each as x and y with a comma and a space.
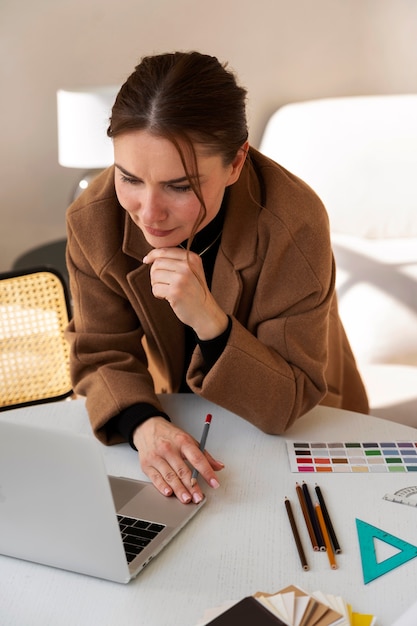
181, 188
127, 179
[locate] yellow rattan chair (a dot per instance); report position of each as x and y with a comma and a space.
34, 354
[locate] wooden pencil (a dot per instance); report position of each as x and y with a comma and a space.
313, 518
306, 516
328, 544
296, 535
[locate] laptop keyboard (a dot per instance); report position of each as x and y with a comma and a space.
137, 534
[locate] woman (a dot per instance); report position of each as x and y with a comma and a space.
198, 262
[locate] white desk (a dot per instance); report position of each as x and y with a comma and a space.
241, 541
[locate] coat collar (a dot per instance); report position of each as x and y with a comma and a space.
240, 228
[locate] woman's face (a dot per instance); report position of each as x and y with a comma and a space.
152, 186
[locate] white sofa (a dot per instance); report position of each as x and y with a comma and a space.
360, 155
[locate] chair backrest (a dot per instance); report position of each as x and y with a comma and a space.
360, 155
34, 354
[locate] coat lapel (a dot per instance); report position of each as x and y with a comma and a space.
238, 244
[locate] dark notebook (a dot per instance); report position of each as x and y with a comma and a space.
247, 612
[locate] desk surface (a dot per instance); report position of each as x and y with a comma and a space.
241, 541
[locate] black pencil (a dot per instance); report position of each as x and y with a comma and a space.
313, 518
328, 521
296, 535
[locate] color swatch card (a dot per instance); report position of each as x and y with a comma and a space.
291, 606
353, 457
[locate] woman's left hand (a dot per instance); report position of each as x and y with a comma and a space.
178, 277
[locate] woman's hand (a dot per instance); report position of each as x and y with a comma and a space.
179, 278
166, 453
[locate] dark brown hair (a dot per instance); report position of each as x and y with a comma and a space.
187, 98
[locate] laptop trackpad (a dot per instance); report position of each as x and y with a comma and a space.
124, 489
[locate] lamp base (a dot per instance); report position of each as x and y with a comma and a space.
84, 182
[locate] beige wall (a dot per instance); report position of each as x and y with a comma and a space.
282, 50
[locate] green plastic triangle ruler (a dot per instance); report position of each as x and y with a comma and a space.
370, 566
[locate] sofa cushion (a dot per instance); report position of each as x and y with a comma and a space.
377, 290
359, 154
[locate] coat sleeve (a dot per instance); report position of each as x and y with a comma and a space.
108, 361
269, 383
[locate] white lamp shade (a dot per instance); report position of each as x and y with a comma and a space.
83, 118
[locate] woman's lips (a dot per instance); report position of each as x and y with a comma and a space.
155, 232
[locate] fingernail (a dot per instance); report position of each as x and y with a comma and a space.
167, 491
197, 497
214, 483
186, 497
145, 259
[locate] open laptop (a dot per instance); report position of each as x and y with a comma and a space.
58, 507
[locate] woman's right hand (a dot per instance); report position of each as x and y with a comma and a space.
166, 453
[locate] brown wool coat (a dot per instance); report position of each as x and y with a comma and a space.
274, 275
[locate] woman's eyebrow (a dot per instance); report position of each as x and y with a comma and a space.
122, 169
173, 181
